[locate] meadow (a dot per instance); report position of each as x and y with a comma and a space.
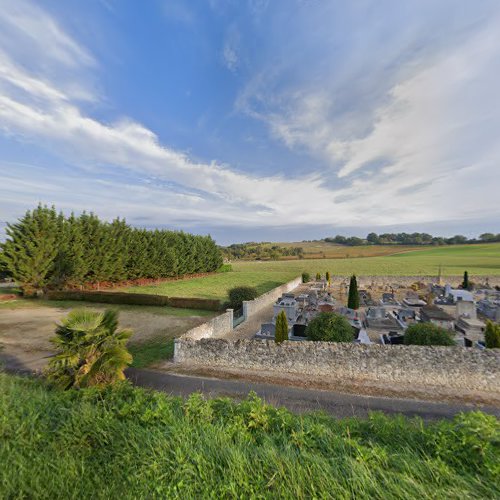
478, 260
126, 442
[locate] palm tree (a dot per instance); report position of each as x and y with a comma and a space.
91, 350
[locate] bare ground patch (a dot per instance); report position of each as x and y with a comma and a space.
25, 331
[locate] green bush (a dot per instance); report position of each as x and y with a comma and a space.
492, 335
139, 299
427, 334
239, 294
318, 276
225, 268
306, 277
281, 331
330, 327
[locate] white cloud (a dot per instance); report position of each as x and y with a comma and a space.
412, 135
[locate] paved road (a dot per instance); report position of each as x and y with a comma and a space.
296, 399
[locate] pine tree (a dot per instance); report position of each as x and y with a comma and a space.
465, 284
281, 330
353, 299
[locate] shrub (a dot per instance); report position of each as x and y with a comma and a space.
330, 327
492, 335
318, 276
281, 332
353, 299
327, 276
90, 350
427, 334
225, 268
306, 277
241, 293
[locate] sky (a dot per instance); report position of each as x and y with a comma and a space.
254, 120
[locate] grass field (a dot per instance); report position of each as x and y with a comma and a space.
478, 260
323, 249
130, 443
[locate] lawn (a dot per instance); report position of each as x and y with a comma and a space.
480, 260
131, 443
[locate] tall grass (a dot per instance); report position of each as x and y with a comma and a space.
131, 443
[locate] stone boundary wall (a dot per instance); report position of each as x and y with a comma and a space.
223, 324
251, 307
407, 281
216, 327
444, 367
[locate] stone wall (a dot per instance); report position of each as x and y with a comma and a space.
407, 281
251, 307
444, 367
216, 327
221, 325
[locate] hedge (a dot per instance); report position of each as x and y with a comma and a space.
140, 299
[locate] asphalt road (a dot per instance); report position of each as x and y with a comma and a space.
299, 400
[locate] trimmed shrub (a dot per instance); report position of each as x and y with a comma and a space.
241, 293
225, 268
306, 277
353, 299
492, 335
281, 332
318, 276
427, 334
139, 299
330, 327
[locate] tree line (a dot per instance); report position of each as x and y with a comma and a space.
46, 249
411, 239
260, 251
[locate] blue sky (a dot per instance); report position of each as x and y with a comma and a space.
254, 119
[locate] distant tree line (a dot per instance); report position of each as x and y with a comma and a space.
48, 249
411, 239
260, 251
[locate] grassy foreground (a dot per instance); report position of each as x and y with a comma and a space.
130, 443
478, 260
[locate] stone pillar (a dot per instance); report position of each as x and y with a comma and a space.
230, 313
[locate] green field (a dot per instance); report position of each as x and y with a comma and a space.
131, 443
478, 260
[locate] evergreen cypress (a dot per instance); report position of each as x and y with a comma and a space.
492, 335
46, 249
281, 330
31, 248
353, 299
466, 284
327, 277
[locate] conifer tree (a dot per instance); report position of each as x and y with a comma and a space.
47, 249
31, 248
353, 299
281, 330
327, 276
492, 335
465, 284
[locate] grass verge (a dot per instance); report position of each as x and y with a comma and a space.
131, 443
147, 353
